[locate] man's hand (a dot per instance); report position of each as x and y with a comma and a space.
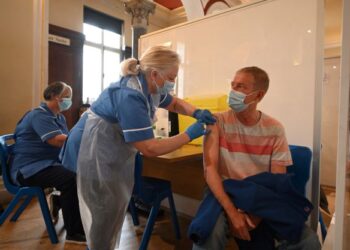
238, 225
252, 221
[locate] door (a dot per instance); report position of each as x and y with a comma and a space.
65, 64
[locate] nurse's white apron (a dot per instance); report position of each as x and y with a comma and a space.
105, 180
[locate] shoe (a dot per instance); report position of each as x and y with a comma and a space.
76, 239
54, 207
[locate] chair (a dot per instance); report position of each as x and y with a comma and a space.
151, 191
300, 174
21, 191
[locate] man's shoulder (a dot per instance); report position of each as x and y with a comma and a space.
224, 116
272, 125
268, 120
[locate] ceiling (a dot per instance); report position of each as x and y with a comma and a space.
170, 4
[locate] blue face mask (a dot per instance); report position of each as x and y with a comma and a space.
65, 104
236, 101
168, 87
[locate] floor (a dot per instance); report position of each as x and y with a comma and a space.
29, 232
330, 194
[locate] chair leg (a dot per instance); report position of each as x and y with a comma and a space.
323, 227
9, 208
47, 217
149, 226
21, 208
174, 216
133, 211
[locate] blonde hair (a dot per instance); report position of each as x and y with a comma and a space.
158, 58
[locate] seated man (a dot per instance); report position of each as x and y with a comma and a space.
245, 142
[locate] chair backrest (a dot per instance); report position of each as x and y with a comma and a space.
6, 149
138, 174
300, 170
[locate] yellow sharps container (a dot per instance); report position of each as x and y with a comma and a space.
214, 103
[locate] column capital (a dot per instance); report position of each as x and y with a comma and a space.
139, 10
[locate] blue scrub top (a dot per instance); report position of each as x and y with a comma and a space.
31, 151
126, 102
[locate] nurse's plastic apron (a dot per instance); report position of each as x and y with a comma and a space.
105, 179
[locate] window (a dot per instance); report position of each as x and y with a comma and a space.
102, 53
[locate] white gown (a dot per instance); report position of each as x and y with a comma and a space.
105, 180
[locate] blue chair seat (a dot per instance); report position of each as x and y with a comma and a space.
151, 191
154, 187
20, 192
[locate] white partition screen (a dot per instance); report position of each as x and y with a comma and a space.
279, 36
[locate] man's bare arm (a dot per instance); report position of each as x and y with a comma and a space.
214, 181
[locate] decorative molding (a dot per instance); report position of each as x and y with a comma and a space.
177, 16
164, 17
139, 11
161, 17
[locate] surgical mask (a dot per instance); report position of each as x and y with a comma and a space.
236, 101
168, 87
65, 104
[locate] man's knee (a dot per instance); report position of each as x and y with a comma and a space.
310, 239
218, 237
221, 227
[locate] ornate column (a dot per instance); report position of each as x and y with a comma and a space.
139, 11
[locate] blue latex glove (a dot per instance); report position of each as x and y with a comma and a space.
204, 115
196, 130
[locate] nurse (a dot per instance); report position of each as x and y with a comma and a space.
118, 124
39, 136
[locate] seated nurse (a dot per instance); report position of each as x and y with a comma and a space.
39, 136
103, 144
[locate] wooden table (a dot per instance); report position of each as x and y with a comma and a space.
183, 167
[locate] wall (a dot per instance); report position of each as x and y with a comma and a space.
69, 14
332, 41
208, 67
23, 46
22, 60
330, 121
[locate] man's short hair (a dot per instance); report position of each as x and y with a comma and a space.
260, 77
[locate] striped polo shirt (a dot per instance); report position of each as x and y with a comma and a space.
249, 150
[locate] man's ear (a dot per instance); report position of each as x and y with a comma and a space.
261, 94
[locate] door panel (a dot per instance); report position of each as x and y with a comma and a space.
65, 64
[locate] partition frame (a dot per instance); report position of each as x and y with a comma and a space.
340, 239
